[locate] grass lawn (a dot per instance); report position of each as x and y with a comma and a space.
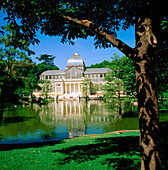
105, 151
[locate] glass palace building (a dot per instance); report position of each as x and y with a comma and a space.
65, 84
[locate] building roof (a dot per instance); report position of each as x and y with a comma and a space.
87, 71
53, 72
75, 60
97, 70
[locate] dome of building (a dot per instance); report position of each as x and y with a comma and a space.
75, 60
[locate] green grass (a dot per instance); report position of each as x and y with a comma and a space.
104, 151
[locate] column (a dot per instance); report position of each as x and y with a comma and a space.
70, 88
70, 108
55, 89
79, 87
66, 88
74, 88
61, 88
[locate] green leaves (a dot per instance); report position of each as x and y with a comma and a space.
122, 77
46, 59
15, 67
46, 15
164, 24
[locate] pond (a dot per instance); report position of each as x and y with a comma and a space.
63, 119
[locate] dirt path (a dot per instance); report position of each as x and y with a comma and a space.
116, 132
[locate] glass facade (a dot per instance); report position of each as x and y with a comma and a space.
73, 73
69, 81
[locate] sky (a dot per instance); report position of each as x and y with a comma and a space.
85, 48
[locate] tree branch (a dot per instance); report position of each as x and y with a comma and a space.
128, 51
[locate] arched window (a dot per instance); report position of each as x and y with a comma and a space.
73, 73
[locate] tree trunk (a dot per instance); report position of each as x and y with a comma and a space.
2, 100
147, 98
1, 113
148, 116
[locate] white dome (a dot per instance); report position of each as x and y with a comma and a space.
75, 60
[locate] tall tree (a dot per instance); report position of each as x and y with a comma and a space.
101, 19
127, 74
86, 84
103, 64
46, 63
27, 72
46, 59
115, 84
11, 59
161, 68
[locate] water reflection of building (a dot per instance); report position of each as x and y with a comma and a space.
76, 116
68, 83
59, 120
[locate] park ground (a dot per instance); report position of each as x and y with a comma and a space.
101, 151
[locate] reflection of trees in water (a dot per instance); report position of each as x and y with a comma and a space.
63, 119
115, 107
73, 110
130, 110
20, 123
121, 108
77, 116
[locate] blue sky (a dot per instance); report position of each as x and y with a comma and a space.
85, 48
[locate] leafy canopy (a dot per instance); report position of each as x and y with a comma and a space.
51, 17
18, 74
46, 59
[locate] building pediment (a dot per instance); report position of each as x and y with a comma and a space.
73, 73
73, 68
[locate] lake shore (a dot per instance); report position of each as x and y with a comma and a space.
114, 150
89, 151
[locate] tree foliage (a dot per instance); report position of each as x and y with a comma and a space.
86, 85
13, 63
128, 75
19, 75
46, 59
114, 84
47, 63
104, 64
125, 67
101, 19
51, 17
